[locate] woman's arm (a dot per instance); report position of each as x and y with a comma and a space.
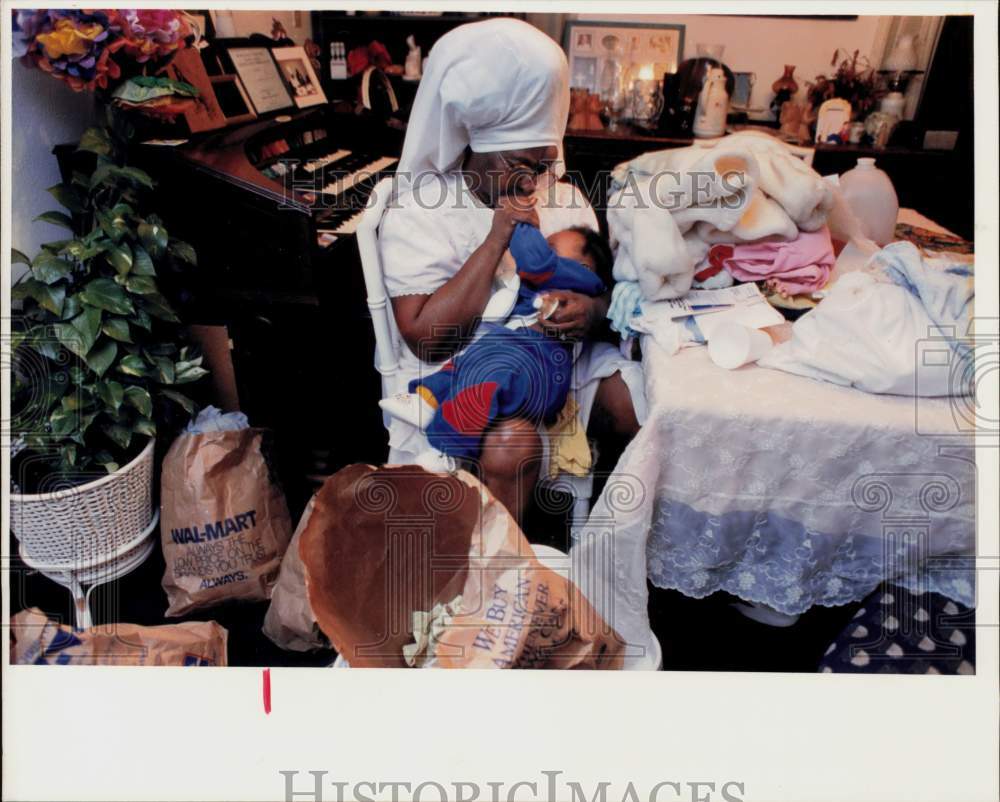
435, 326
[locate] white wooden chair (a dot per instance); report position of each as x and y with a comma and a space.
388, 343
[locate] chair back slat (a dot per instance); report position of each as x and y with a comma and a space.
387, 352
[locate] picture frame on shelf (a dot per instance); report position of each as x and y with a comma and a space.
586, 42
298, 72
743, 84
260, 76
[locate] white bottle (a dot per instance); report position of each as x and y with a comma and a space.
870, 194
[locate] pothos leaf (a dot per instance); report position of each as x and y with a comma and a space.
67, 197
101, 356
133, 365
105, 294
141, 285
47, 297
183, 251
49, 268
142, 264
145, 426
141, 318
117, 329
56, 219
88, 323
120, 257
111, 393
179, 398
79, 335
119, 435
165, 370
154, 238
95, 140
140, 398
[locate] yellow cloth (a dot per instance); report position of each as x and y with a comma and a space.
569, 449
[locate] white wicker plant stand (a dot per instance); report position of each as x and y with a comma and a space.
91, 534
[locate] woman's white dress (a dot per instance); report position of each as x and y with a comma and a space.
428, 233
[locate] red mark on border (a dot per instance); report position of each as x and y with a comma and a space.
267, 691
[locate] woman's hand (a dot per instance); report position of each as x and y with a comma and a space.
510, 211
576, 316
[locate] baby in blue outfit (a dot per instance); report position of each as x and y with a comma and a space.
513, 370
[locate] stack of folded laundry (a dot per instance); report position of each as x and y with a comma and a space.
744, 208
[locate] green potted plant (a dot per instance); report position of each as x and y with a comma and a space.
96, 363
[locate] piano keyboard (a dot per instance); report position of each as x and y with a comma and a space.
344, 222
344, 183
313, 165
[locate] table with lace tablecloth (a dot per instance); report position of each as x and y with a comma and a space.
781, 490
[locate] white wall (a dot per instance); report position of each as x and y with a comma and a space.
45, 113
298, 24
763, 45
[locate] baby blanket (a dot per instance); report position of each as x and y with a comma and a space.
667, 207
901, 326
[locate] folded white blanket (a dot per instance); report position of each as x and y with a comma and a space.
900, 326
667, 207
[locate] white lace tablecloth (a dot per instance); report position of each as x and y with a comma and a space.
779, 489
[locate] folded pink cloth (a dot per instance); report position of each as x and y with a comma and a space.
795, 267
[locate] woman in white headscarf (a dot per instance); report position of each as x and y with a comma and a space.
482, 149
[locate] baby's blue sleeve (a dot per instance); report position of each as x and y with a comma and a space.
531, 251
541, 269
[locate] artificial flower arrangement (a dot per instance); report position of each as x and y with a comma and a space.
90, 48
854, 80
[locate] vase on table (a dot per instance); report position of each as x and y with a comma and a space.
784, 89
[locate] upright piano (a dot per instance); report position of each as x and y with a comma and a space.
271, 207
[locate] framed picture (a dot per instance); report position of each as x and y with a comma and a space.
299, 75
593, 47
743, 83
259, 74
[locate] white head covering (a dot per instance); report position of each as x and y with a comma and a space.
500, 84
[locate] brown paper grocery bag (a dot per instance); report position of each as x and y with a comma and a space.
38, 640
224, 523
384, 544
290, 622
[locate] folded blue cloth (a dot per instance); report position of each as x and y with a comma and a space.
626, 301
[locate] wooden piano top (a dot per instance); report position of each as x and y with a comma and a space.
233, 155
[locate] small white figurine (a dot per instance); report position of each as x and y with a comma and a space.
713, 105
411, 68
